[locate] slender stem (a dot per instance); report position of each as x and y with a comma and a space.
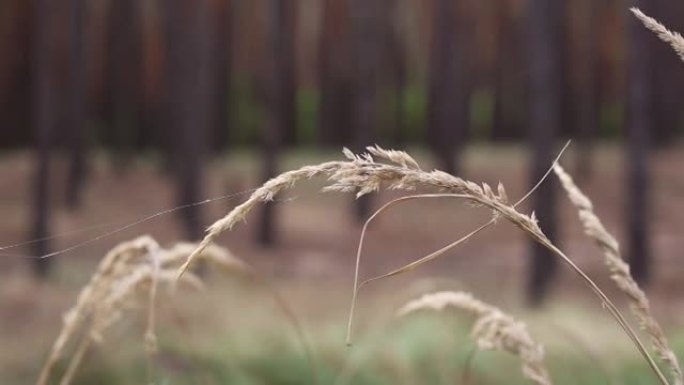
612, 309
76, 360
430, 256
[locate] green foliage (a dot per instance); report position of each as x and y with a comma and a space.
415, 112
307, 116
425, 348
248, 112
612, 119
481, 113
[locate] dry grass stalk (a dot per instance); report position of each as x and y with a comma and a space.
125, 275
674, 39
363, 175
436, 254
620, 273
493, 330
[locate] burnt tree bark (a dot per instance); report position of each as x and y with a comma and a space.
447, 115
76, 106
42, 106
639, 125
544, 38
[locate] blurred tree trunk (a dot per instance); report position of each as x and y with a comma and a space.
189, 80
366, 35
77, 106
401, 137
588, 92
42, 103
545, 122
152, 34
334, 59
639, 125
280, 95
394, 67
447, 119
286, 52
223, 52
668, 76
508, 84
15, 73
124, 76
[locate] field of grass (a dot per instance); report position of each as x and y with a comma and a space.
233, 331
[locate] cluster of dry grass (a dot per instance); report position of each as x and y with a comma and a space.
493, 330
132, 271
398, 171
128, 275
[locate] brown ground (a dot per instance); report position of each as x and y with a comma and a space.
318, 236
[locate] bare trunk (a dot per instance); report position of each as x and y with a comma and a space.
545, 122
124, 67
280, 95
393, 64
509, 83
639, 125
365, 14
42, 101
447, 120
334, 61
189, 100
77, 107
587, 95
668, 77
223, 58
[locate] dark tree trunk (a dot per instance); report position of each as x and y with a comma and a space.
223, 57
189, 80
639, 125
366, 35
545, 115
42, 102
77, 106
509, 82
668, 76
394, 66
588, 92
447, 119
401, 137
286, 51
334, 59
280, 95
15, 102
124, 70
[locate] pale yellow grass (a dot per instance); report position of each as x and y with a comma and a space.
493, 329
619, 272
128, 274
399, 171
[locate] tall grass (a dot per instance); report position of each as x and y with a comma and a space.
397, 170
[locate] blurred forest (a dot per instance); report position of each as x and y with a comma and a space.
188, 79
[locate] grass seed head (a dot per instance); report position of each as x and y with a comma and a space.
493, 330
